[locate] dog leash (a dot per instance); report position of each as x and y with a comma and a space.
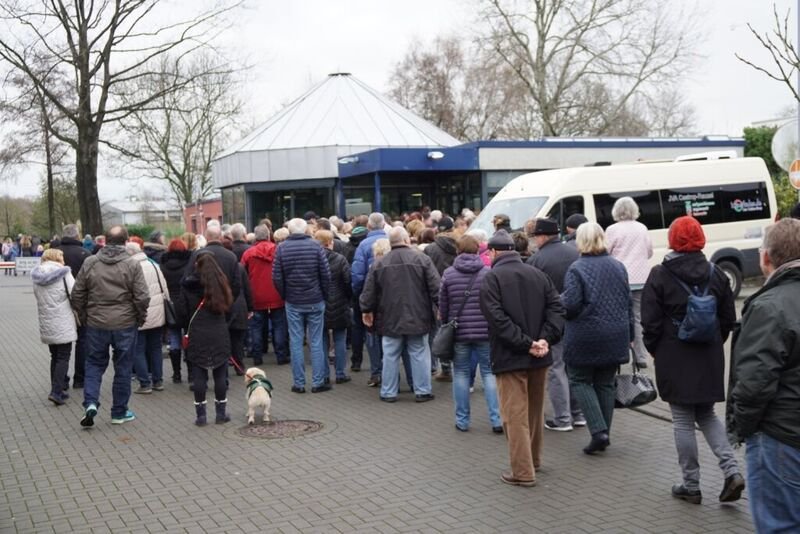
236, 365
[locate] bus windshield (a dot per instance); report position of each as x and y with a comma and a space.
519, 210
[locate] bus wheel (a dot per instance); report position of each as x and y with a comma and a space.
734, 276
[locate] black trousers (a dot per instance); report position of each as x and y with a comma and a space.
59, 366
200, 382
237, 346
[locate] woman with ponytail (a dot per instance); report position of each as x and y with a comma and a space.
205, 298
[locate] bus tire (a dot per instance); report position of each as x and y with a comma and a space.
734, 275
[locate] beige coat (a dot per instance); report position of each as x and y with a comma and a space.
157, 286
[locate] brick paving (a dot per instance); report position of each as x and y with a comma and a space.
374, 467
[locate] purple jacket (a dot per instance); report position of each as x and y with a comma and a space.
472, 326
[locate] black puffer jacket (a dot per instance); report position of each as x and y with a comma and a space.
521, 305
442, 252
765, 370
74, 254
337, 305
209, 342
173, 265
686, 373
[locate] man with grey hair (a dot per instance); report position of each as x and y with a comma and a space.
362, 260
268, 306
764, 400
403, 289
302, 277
74, 256
238, 235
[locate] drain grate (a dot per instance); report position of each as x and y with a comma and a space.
290, 428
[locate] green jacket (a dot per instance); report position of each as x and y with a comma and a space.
765, 369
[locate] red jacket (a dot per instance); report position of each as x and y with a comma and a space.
258, 261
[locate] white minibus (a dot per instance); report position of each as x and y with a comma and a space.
732, 198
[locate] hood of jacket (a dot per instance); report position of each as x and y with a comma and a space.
468, 263
263, 250
356, 240
48, 272
112, 254
70, 241
690, 267
155, 246
176, 259
447, 244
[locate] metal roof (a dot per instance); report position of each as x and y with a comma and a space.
343, 111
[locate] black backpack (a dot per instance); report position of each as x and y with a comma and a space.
700, 325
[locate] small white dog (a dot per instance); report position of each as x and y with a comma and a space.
259, 394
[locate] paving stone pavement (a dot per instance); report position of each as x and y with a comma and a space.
374, 467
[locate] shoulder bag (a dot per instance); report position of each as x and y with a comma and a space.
444, 342
169, 308
636, 389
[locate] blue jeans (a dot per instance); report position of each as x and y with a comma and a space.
148, 361
420, 355
279, 334
339, 349
174, 338
97, 344
299, 317
773, 483
462, 366
375, 349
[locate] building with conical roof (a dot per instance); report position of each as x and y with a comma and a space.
289, 165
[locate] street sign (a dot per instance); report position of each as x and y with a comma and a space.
794, 173
27, 263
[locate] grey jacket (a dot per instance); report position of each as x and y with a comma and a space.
110, 292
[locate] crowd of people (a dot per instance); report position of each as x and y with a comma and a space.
534, 313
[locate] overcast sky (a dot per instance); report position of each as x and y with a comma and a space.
293, 45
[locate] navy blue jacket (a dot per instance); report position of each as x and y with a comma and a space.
599, 312
472, 325
300, 272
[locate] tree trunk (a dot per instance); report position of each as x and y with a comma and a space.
51, 208
86, 181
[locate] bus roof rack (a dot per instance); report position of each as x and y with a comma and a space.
717, 154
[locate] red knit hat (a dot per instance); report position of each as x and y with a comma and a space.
686, 235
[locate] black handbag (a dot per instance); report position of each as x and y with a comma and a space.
445, 340
636, 389
170, 317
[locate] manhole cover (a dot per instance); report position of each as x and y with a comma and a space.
280, 429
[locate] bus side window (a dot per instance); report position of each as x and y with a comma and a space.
564, 208
649, 206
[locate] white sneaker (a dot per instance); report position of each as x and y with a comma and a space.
579, 422
551, 425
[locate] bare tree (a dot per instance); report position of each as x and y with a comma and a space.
29, 119
102, 46
778, 42
176, 138
570, 52
462, 90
